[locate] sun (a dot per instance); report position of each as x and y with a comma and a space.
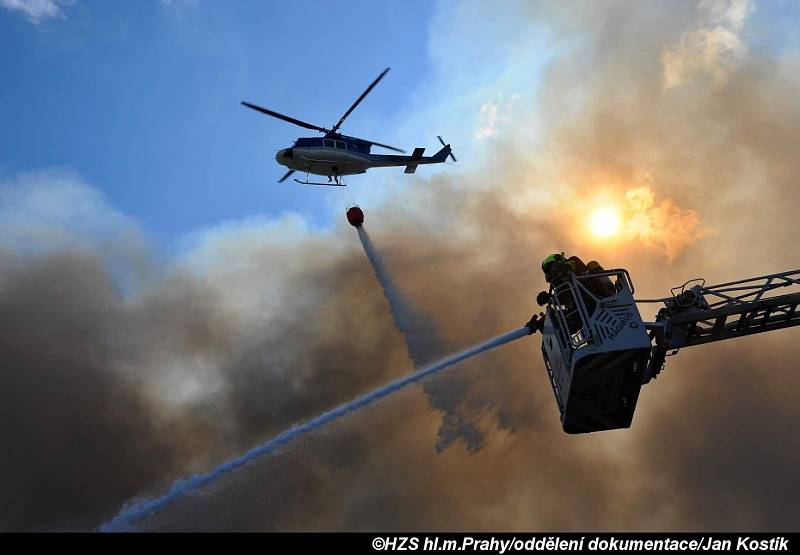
604, 222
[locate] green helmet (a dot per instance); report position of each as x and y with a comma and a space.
551, 259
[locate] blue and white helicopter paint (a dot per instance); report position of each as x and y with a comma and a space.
336, 155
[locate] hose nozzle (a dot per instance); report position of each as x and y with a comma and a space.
536, 323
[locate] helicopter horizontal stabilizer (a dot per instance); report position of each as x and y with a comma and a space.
416, 156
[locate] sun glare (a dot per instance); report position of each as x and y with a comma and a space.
604, 222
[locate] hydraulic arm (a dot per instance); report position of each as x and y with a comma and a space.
697, 314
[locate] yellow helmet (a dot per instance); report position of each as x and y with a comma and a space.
551, 259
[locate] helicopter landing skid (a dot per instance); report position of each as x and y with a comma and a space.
331, 184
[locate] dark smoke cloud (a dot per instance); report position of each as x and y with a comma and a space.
111, 394
252, 331
77, 435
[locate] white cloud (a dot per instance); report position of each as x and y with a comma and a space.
55, 210
715, 47
37, 10
493, 113
488, 120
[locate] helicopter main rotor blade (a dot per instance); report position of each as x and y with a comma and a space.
295, 121
385, 146
282, 179
358, 101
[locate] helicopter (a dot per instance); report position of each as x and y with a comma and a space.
335, 155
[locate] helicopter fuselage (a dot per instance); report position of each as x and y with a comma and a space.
342, 155
337, 157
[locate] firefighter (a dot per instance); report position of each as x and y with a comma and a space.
559, 269
600, 286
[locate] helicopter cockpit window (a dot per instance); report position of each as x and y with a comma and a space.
328, 143
340, 144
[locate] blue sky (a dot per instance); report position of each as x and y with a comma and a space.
141, 99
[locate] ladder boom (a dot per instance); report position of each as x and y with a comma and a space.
702, 314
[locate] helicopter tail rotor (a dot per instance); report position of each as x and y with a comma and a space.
446, 145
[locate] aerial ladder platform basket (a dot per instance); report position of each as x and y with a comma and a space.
598, 351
